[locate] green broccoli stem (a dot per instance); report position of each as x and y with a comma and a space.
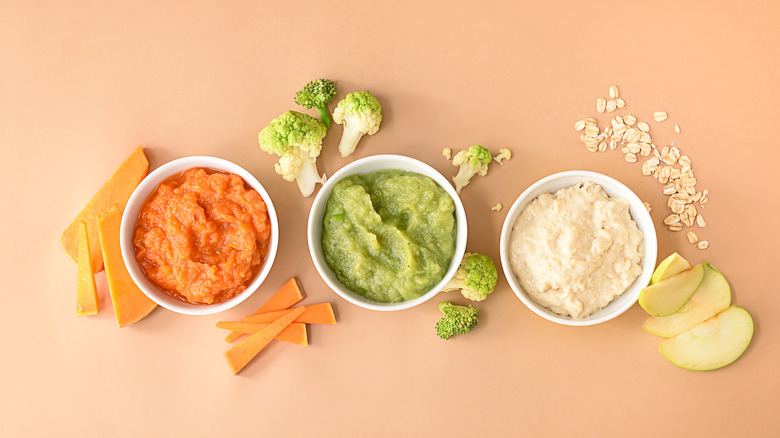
324, 116
349, 140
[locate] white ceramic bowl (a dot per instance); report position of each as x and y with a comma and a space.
142, 192
368, 164
638, 212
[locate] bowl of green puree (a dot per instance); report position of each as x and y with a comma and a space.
387, 232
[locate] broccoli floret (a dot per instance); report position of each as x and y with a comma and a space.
457, 320
361, 114
472, 161
316, 94
476, 277
297, 139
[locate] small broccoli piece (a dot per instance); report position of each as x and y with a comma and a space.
476, 277
361, 114
503, 154
317, 94
297, 139
472, 161
457, 320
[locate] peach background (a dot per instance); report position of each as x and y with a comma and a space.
83, 83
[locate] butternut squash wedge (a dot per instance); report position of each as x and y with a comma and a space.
116, 191
87, 301
130, 304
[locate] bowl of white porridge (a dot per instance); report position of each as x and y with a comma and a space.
577, 247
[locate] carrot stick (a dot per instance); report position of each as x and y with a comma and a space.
314, 314
295, 333
243, 352
289, 294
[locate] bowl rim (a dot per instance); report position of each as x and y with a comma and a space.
130, 215
638, 213
377, 162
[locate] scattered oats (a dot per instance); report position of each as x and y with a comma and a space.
648, 207
672, 219
675, 227
607, 131
678, 207
632, 135
675, 174
619, 130
645, 149
447, 153
696, 197
620, 103
633, 147
592, 130
629, 119
692, 237
670, 190
630, 157
602, 146
645, 138
611, 106
592, 147
613, 91
700, 221
579, 126
644, 127
497, 207
703, 244
677, 129
601, 104
660, 116
613, 144
625, 151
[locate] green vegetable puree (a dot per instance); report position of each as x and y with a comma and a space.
389, 235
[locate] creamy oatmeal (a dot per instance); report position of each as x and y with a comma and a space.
575, 250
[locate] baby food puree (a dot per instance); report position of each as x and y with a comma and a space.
389, 235
202, 236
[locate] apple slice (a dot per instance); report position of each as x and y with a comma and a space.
671, 266
712, 344
712, 297
668, 296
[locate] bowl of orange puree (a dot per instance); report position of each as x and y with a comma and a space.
199, 235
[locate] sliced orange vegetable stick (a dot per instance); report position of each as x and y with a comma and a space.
289, 294
243, 352
314, 314
295, 333
87, 301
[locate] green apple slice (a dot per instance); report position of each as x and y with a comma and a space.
668, 296
712, 344
712, 297
671, 266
